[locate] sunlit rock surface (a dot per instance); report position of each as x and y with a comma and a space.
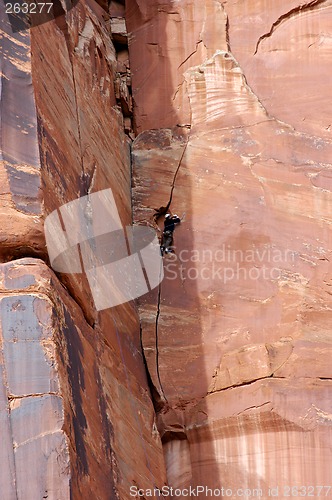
238, 337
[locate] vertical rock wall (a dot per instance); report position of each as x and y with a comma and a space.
232, 107
230, 102
76, 412
20, 200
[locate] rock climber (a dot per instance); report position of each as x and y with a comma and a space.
167, 238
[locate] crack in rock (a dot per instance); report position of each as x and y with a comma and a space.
307, 7
156, 345
255, 407
190, 55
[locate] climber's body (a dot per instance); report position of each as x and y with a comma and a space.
167, 238
170, 222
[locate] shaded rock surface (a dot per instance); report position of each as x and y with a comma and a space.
20, 178
90, 152
73, 408
75, 399
35, 448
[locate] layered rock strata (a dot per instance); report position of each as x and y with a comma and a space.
237, 339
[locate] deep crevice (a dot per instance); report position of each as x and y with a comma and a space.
227, 34
157, 340
154, 394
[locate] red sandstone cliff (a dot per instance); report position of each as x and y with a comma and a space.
76, 412
221, 376
237, 339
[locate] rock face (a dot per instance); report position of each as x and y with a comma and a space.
69, 407
20, 200
32, 410
237, 339
75, 400
230, 103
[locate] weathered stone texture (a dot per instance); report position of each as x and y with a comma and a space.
20, 178
247, 294
90, 152
76, 400
75, 407
231, 103
35, 454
